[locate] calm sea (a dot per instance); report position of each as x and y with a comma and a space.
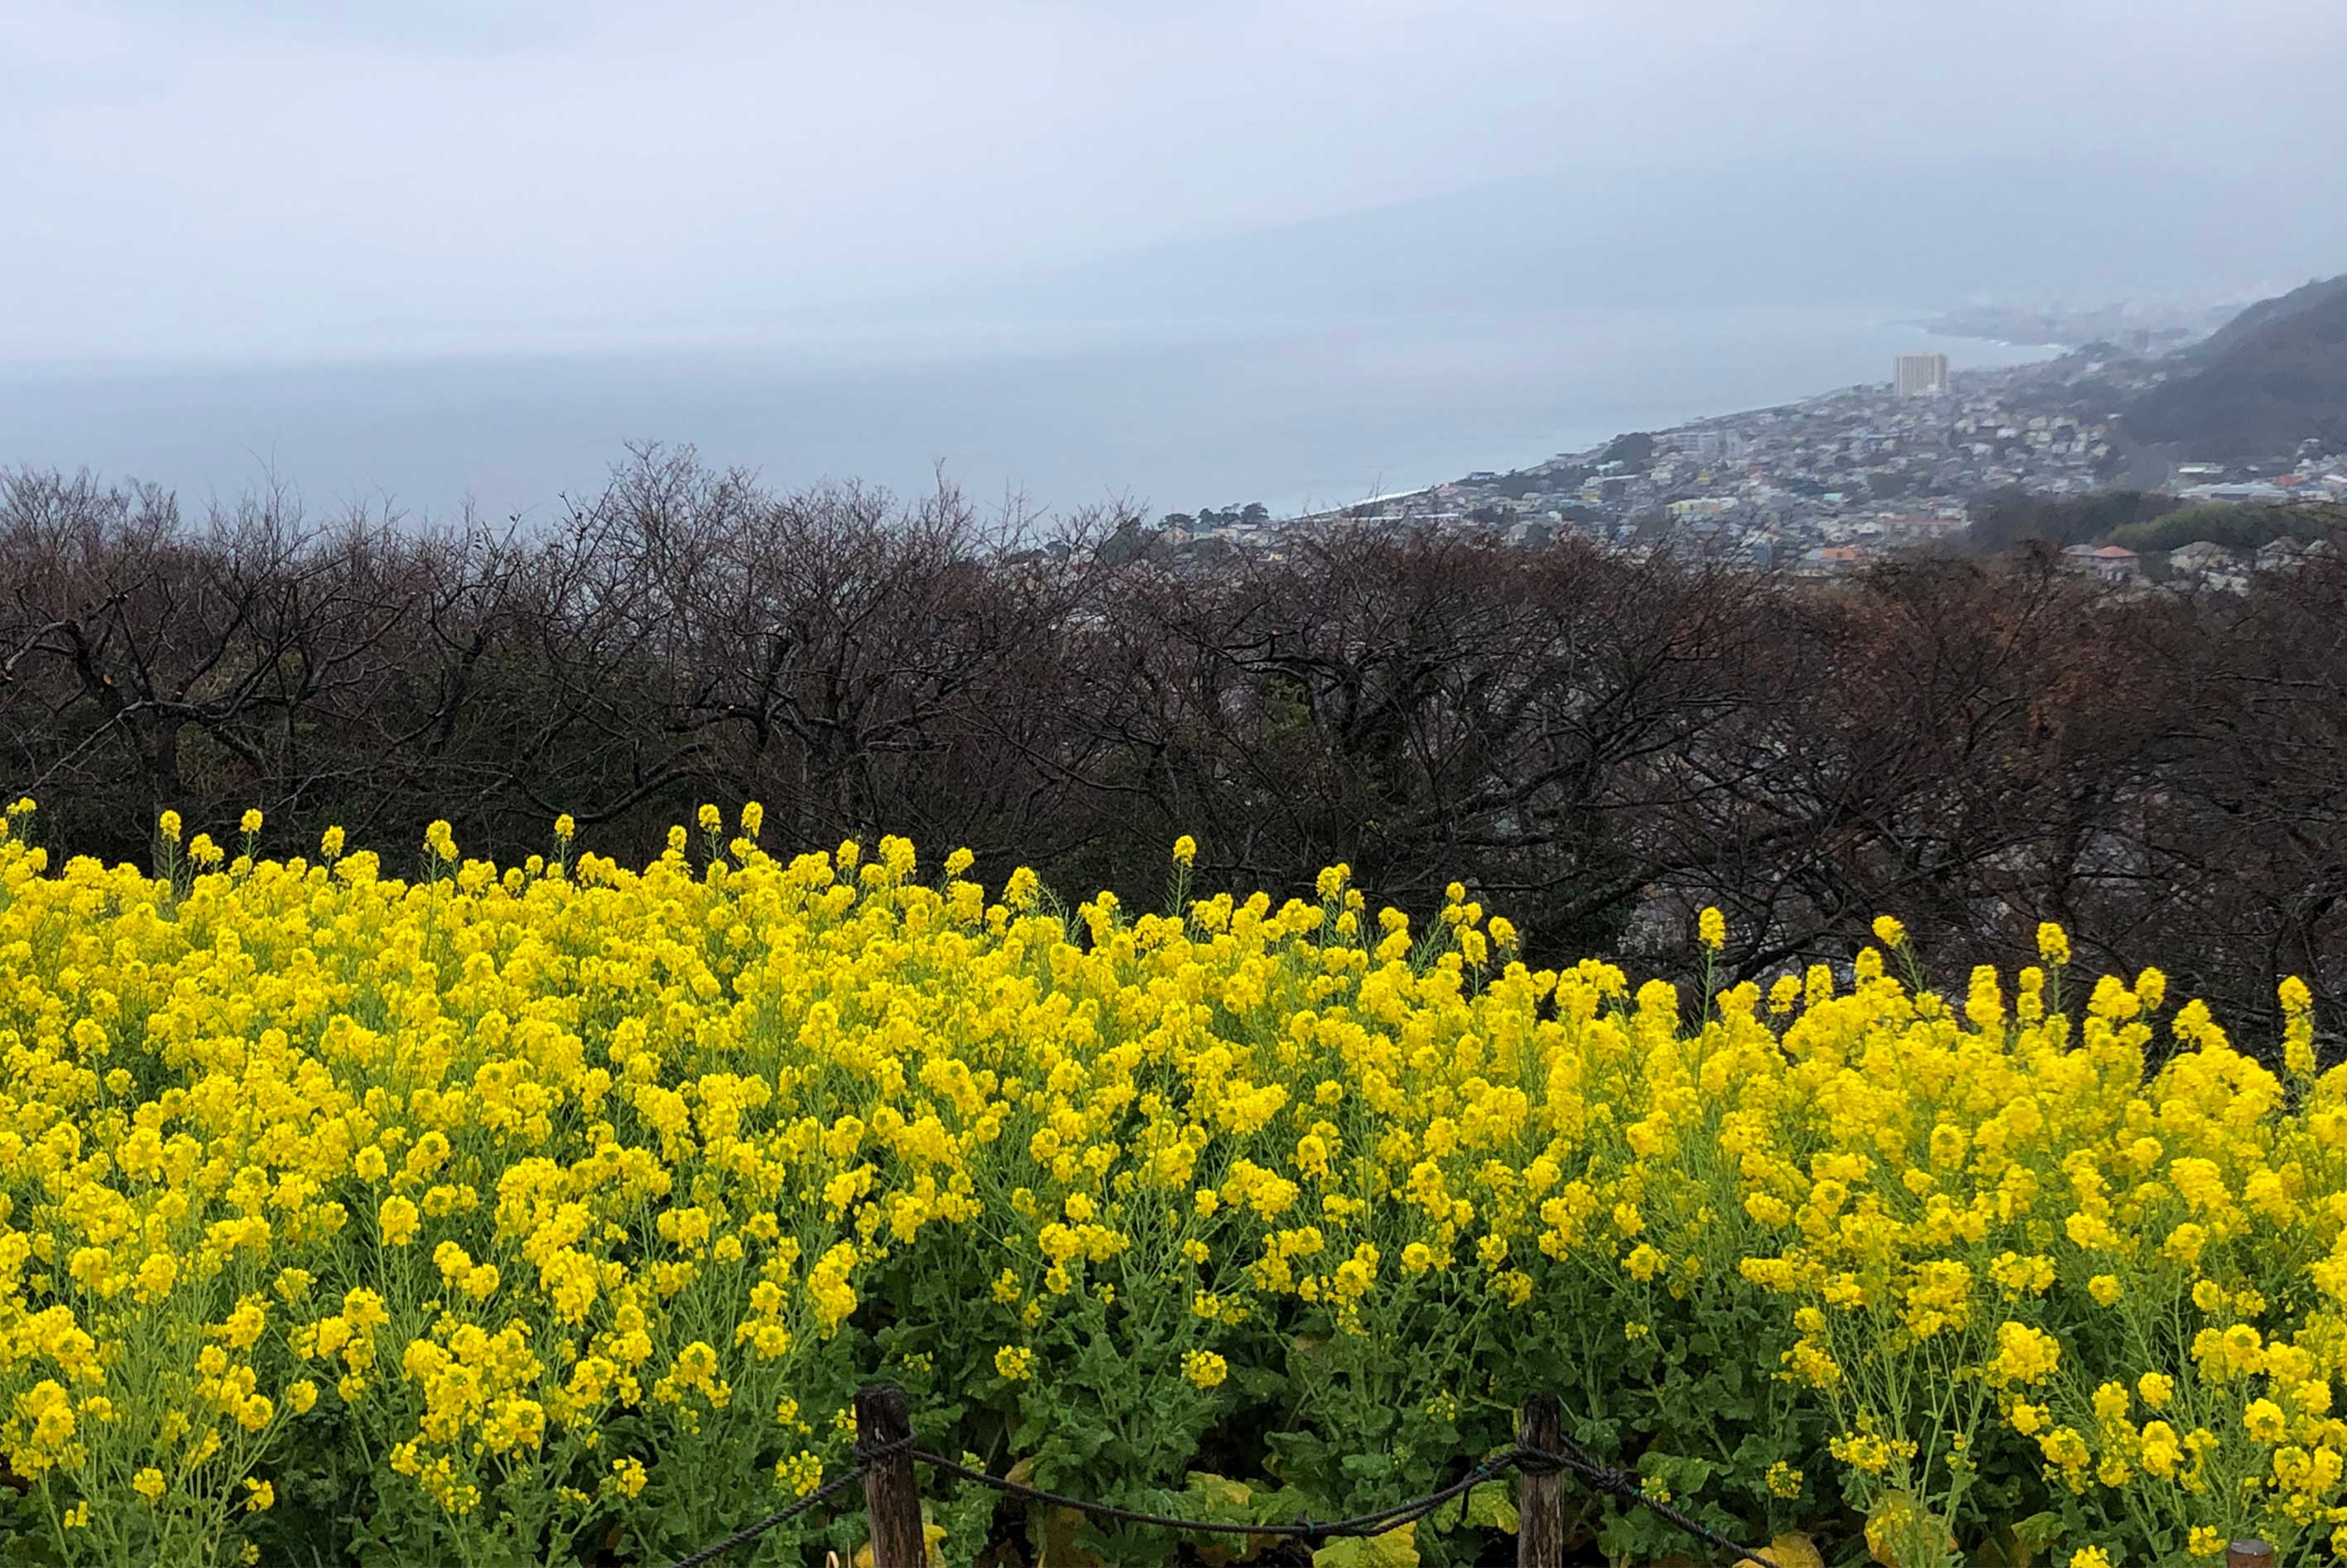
1173, 418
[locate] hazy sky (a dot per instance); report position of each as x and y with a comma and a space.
254, 179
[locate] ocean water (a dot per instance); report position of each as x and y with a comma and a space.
1167, 415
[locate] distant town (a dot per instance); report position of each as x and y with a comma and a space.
1830, 484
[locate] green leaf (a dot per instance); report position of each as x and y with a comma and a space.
2017, 1545
1053, 1534
1490, 1508
1600, 1435
1279, 1504
1683, 1477
1296, 1454
1260, 1382
1794, 1549
1394, 1549
1219, 1497
2039, 1530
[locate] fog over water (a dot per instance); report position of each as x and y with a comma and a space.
1283, 249
1291, 414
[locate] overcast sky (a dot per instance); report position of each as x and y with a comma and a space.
253, 178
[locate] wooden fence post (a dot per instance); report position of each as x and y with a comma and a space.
2249, 1555
1540, 1507
892, 1496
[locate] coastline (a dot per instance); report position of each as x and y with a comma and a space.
1296, 413
1938, 331
1957, 328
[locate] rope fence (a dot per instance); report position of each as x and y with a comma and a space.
1311, 1533
887, 1454
784, 1515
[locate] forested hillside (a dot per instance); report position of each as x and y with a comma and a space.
2272, 377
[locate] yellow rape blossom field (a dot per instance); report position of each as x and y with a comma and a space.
551, 1213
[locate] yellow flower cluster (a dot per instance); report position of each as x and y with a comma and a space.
552, 1193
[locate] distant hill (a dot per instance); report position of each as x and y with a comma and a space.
2265, 315
2272, 377
1908, 234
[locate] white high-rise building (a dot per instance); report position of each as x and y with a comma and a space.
1918, 375
1715, 445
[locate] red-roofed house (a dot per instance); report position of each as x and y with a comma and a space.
2110, 563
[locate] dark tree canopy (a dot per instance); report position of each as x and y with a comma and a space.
1600, 743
